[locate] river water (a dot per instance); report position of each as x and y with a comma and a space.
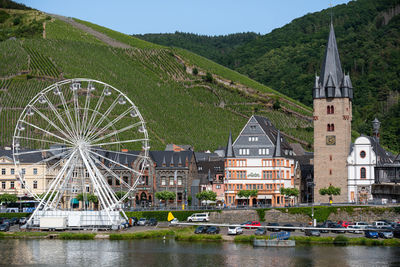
42, 252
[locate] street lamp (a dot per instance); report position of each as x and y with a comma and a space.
375, 127
312, 185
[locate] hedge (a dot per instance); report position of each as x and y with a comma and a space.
162, 215
14, 215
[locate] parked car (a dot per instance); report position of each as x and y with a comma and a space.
273, 229
143, 222
152, 222
212, 230
380, 224
198, 217
396, 232
371, 234
4, 227
288, 225
362, 225
245, 223
354, 229
22, 220
201, 229
133, 221
322, 226
344, 223
386, 234
174, 221
338, 229
261, 231
252, 223
235, 230
312, 232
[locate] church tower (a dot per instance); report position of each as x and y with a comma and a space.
332, 97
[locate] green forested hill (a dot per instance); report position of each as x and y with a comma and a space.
184, 98
287, 59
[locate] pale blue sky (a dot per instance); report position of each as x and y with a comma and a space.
209, 17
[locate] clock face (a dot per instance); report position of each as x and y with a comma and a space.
331, 140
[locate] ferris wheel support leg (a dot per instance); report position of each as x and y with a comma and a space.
59, 195
51, 188
97, 187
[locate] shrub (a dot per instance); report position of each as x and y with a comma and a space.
244, 238
195, 71
341, 240
196, 237
261, 214
16, 215
76, 236
142, 235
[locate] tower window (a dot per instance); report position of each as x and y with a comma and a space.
330, 127
362, 154
330, 157
330, 172
363, 173
330, 109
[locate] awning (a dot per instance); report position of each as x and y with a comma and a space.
74, 201
264, 197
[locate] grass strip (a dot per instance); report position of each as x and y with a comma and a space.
198, 237
142, 235
76, 236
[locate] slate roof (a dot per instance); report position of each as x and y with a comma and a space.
332, 82
272, 132
27, 158
159, 156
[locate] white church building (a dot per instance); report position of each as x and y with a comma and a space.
360, 166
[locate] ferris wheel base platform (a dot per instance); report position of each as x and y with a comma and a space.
62, 220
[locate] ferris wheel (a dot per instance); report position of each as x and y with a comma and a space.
74, 144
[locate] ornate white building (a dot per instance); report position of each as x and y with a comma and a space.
360, 166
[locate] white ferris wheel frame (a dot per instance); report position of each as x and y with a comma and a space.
82, 137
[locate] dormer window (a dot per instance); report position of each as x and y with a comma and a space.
253, 127
253, 139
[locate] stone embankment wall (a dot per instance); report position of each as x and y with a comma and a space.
367, 215
353, 214
234, 216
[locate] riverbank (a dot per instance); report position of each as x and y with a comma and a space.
186, 234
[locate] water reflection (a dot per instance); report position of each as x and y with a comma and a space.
171, 253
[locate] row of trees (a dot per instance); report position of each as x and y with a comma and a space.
166, 196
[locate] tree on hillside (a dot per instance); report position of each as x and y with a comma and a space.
207, 195
247, 194
195, 71
8, 198
165, 196
290, 192
330, 191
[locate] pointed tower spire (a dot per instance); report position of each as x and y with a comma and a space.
229, 149
164, 163
172, 160
278, 145
331, 65
180, 162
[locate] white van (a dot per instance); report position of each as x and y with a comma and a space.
199, 217
380, 224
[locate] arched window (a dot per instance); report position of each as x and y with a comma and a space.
363, 173
332, 127
328, 109
328, 127
332, 109
110, 180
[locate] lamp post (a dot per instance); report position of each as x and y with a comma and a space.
375, 127
312, 185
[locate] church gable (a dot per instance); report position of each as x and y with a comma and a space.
6, 160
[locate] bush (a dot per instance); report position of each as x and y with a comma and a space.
195, 71
16, 215
76, 236
198, 237
142, 235
261, 214
162, 215
341, 240
244, 238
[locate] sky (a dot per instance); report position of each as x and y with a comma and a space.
206, 17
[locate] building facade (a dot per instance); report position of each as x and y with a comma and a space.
259, 159
332, 100
361, 175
